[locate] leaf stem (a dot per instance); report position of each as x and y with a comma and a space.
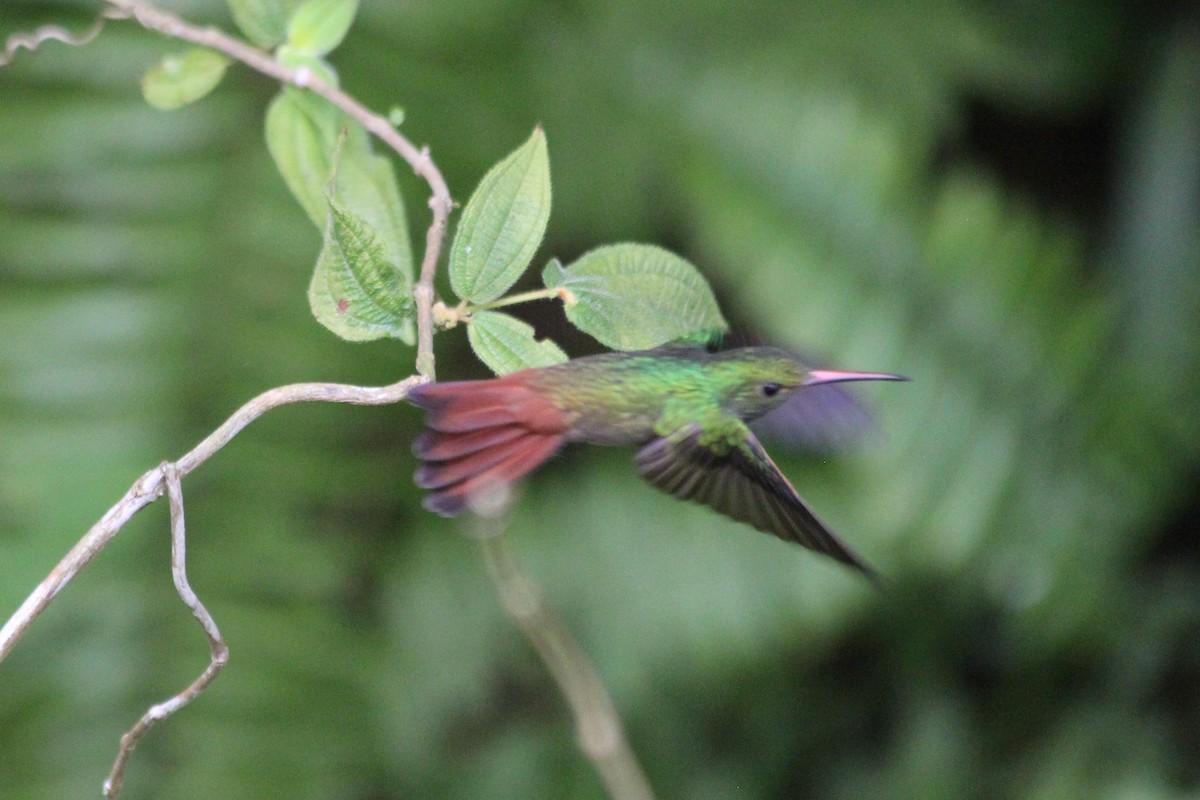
513, 299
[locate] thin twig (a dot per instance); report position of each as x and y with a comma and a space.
151, 486
55, 33
601, 735
218, 649
440, 202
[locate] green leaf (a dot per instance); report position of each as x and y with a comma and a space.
503, 223
302, 133
366, 184
318, 26
183, 78
356, 292
263, 21
634, 296
506, 344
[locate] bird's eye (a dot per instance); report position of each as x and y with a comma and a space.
769, 389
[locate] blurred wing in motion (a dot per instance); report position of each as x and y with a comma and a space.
743, 484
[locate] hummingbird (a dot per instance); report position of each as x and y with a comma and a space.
685, 406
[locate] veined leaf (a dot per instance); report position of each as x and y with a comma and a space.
503, 223
366, 184
183, 78
300, 137
356, 291
506, 344
634, 296
318, 26
303, 133
263, 21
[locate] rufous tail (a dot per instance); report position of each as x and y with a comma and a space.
481, 436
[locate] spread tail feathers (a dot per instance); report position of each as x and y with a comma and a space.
481, 435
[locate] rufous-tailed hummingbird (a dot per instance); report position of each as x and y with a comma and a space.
686, 407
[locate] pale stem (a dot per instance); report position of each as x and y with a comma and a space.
219, 651
150, 486
597, 725
53, 33
514, 299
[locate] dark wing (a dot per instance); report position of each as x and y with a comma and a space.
743, 484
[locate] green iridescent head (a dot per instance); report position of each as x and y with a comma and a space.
755, 380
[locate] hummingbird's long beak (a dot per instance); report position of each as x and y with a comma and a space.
818, 376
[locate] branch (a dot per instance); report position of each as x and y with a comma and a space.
153, 484
54, 33
219, 650
440, 202
601, 736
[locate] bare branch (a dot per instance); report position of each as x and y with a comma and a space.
144, 491
219, 651
440, 202
55, 33
151, 486
601, 736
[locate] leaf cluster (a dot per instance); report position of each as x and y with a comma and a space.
628, 296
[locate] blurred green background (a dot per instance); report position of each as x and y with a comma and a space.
999, 199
